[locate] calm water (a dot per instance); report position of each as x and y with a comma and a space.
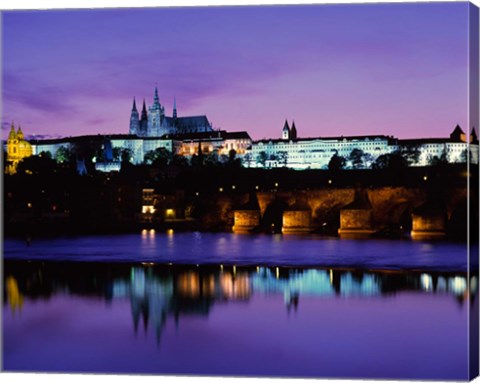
227, 306
205, 248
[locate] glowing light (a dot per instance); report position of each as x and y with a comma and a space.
458, 285
233, 187
234, 269
148, 209
427, 282
220, 190
277, 272
276, 184
329, 181
331, 276
221, 267
425, 178
29, 205
197, 194
256, 187
170, 231
258, 269
14, 297
170, 212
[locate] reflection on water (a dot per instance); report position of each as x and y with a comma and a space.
14, 297
236, 320
158, 291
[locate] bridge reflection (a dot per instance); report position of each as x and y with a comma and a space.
158, 292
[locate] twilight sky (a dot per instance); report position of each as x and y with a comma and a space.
350, 69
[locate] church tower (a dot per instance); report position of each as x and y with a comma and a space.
134, 121
155, 117
174, 108
286, 131
293, 132
144, 121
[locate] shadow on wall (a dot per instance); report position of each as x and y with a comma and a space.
273, 218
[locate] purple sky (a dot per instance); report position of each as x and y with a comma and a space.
396, 69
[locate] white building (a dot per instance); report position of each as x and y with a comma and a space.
316, 153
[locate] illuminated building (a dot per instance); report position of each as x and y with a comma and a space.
189, 136
17, 149
316, 152
155, 123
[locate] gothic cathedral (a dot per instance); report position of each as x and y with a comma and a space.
156, 124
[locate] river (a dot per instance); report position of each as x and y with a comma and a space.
226, 304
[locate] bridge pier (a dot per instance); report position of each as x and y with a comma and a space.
245, 221
429, 220
356, 223
431, 224
297, 222
356, 218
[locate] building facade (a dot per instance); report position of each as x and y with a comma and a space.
316, 153
17, 148
155, 123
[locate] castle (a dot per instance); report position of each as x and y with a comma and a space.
188, 136
156, 124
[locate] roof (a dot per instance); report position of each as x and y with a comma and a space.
211, 135
423, 141
341, 138
237, 135
98, 137
188, 122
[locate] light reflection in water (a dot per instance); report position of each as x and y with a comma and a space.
14, 297
157, 292
167, 306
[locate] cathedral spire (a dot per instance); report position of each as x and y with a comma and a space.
144, 110
134, 123
293, 131
155, 97
286, 131
174, 107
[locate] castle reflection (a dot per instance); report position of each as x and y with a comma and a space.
158, 292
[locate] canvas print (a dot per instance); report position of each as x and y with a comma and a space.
256, 191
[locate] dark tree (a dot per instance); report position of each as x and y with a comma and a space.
392, 161
248, 159
337, 162
356, 156
63, 154
158, 157
262, 158
126, 155
411, 154
41, 164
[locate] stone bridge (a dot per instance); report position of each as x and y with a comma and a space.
355, 211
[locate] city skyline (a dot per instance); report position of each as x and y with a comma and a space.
350, 69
